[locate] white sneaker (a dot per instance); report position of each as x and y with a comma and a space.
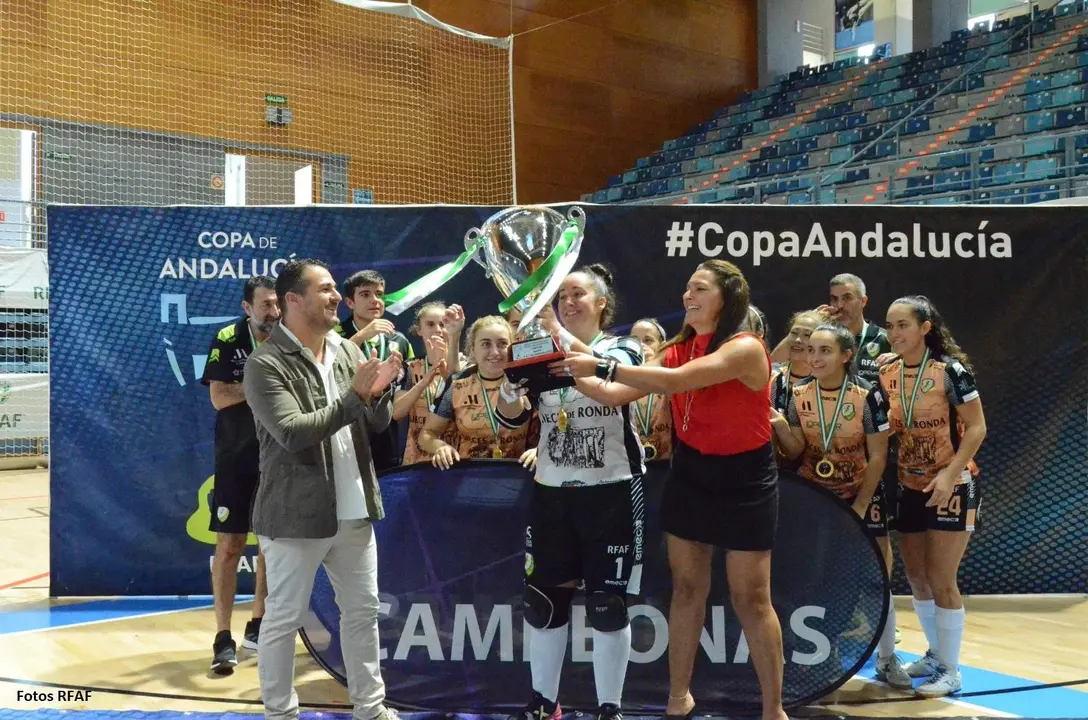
924, 667
890, 670
945, 682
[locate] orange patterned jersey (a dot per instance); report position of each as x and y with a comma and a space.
936, 431
463, 401
653, 418
864, 412
421, 410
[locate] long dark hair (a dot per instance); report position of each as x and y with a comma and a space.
939, 339
600, 277
734, 290
846, 342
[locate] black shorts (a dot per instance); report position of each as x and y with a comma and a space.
233, 490
876, 519
959, 514
728, 501
591, 533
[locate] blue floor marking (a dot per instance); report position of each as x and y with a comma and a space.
1043, 704
1046, 703
15, 620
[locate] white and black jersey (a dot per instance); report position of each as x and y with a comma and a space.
599, 444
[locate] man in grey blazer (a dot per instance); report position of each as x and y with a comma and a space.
315, 402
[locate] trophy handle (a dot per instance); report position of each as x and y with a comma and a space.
470, 241
577, 214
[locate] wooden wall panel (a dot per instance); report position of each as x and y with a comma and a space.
593, 94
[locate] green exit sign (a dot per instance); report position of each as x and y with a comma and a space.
275, 99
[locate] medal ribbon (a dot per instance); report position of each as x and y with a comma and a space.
491, 419
825, 434
644, 421
908, 407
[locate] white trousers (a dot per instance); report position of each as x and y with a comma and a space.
351, 561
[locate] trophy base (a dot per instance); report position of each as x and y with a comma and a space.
529, 361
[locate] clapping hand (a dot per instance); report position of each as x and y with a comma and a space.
454, 319
388, 371
366, 374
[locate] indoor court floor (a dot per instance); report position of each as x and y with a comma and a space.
1022, 657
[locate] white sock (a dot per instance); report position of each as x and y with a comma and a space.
949, 636
927, 617
611, 651
547, 650
886, 647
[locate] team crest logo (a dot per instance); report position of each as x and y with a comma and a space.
848, 411
530, 564
928, 384
873, 349
222, 514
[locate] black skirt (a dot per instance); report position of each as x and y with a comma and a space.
728, 501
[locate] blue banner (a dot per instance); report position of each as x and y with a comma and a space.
137, 294
451, 622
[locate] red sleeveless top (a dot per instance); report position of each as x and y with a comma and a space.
723, 419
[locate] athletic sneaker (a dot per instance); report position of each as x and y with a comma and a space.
924, 667
945, 682
891, 671
608, 711
225, 653
386, 713
538, 709
253, 630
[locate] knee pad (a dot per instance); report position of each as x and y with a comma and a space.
547, 607
607, 611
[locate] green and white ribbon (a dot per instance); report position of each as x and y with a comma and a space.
827, 434
402, 299
551, 273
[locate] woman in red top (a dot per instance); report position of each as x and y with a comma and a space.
722, 489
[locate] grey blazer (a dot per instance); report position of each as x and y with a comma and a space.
296, 495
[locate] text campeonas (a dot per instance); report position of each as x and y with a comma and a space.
420, 630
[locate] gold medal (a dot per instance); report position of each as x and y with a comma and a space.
825, 468
908, 441
562, 422
651, 451
496, 452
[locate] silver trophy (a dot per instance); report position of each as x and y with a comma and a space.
516, 243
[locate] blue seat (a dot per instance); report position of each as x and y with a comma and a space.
1042, 169
1070, 118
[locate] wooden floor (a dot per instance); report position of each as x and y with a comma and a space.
1032, 639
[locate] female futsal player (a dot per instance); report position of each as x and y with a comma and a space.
722, 489
586, 504
652, 412
440, 329
796, 368
837, 424
937, 414
491, 417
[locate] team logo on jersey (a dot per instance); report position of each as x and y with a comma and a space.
873, 349
222, 513
213, 356
848, 411
928, 384
530, 564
